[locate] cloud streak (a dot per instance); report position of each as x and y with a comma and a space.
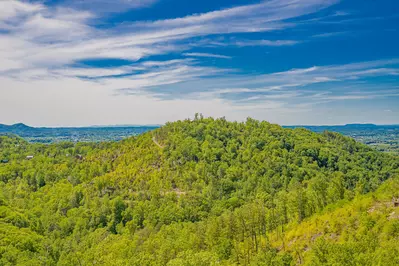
207, 55
244, 43
296, 87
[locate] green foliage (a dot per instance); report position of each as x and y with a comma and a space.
200, 192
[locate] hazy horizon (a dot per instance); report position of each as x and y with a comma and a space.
159, 125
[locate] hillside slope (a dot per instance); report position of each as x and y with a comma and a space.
201, 192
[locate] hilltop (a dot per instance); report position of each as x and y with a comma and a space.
199, 192
15, 127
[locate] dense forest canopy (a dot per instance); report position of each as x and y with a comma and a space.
200, 192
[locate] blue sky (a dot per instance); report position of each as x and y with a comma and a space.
77, 62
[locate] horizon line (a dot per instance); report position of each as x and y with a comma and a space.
160, 125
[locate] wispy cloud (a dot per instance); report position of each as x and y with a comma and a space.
207, 55
264, 16
106, 6
341, 13
292, 85
41, 36
243, 43
331, 34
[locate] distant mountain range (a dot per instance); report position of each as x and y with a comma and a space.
347, 127
22, 126
57, 134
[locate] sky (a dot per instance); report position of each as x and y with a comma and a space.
108, 62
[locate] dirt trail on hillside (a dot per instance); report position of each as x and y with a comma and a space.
156, 143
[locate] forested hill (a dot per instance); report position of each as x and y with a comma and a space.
200, 192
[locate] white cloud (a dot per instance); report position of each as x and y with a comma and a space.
107, 6
207, 55
256, 16
331, 34
55, 37
11, 9
244, 43
293, 85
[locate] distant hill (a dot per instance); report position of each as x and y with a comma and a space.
381, 137
360, 125
85, 134
347, 127
14, 128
